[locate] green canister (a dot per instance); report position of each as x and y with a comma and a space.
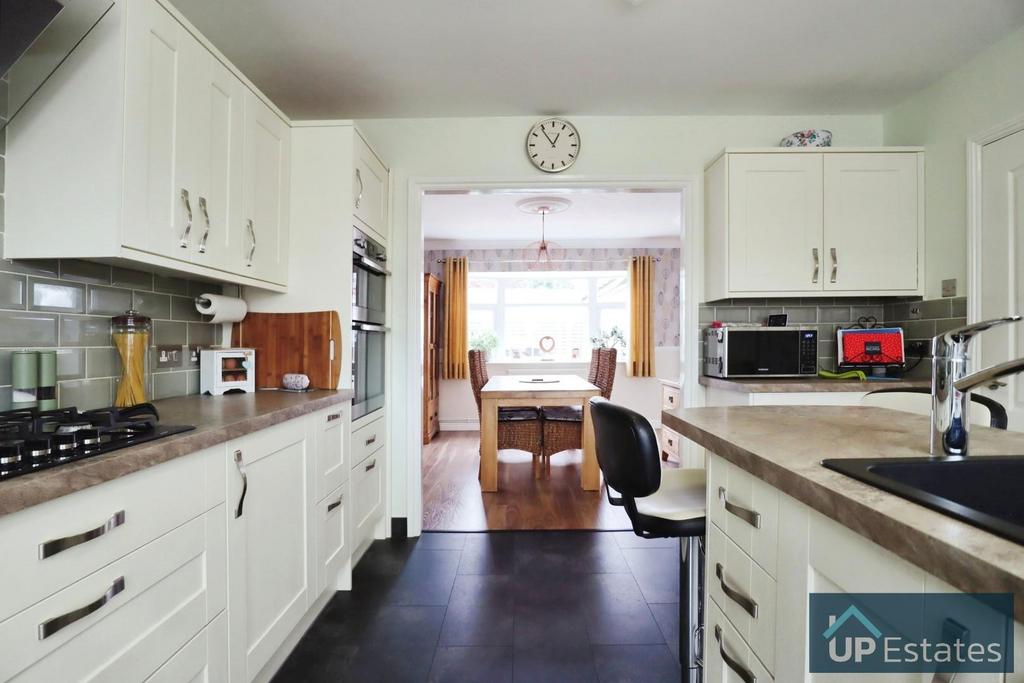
24, 378
46, 392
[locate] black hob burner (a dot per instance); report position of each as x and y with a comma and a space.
33, 440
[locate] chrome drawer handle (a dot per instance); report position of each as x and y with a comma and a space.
371, 465
359, 197
835, 265
749, 516
748, 605
183, 241
59, 545
51, 626
245, 482
336, 504
371, 440
745, 674
206, 217
817, 263
333, 416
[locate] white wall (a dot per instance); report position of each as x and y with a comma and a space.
613, 148
457, 408
981, 94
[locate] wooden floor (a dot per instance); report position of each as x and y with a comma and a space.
452, 500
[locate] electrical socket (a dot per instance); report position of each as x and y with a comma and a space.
917, 348
168, 357
914, 312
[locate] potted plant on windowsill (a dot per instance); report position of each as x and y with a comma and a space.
484, 341
613, 338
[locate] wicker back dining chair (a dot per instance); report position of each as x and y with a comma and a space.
563, 425
518, 428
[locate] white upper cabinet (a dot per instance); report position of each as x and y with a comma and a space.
369, 188
814, 223
179, 152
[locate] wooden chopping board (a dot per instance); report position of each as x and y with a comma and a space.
293, 342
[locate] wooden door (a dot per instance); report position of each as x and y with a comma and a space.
431, 360
160, 201
775, 222
265, 213
271, 565
1001, 266
871, 222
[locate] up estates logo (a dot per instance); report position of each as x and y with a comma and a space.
910, 632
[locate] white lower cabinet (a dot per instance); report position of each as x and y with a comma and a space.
271, 575
727, 658
334, 552
204, 659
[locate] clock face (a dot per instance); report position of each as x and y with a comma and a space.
553, 145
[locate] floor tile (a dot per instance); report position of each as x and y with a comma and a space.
488, 554
404, 626
313, 663
426, 579
385, 558
396, 663
480, 612
554, 663
636, 664
438, 540
562, 553
617, 613
548, 625
627, 539
656, 571
472, 665
667, 616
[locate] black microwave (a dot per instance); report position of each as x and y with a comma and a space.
760, 352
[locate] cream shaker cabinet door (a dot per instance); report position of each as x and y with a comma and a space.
264, 247
218, 108
370, 188
162, 64
271, 563
775, 215
871, 222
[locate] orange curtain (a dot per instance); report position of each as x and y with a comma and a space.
456, 327
641, 317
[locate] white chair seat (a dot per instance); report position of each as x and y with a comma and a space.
681, 496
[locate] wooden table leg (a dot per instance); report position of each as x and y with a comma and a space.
489, 445
590, 474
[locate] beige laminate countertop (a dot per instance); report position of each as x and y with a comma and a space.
217, 419
768, 385
784, 447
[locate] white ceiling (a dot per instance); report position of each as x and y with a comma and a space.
596, 218
421, 58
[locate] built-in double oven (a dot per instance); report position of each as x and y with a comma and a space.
369, 299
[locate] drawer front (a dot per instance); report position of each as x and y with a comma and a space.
204, 659
727, 659
745, 593
84, 531
332, 538
125, 620
746, 509
670, 442
669, 398
369, 188
331, 462
366, 440
368, 495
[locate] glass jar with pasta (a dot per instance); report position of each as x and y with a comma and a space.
131, 332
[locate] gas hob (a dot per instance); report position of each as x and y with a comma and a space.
32, 440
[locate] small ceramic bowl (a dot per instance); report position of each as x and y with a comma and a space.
815, 137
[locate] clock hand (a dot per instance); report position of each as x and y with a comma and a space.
555, 141
546, 135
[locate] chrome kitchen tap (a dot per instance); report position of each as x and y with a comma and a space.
952, 385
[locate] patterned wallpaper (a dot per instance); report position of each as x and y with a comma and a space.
666, 274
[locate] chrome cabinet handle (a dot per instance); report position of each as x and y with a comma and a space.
817, 263
252, 233
206, 218
51, 626
748, 605
59, 545
245, 483
749, 516
333, 416
835, 265
743, 672
183, 241
336, 504
371, 465
359, 197
371, 440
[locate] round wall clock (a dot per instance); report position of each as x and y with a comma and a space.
552, 145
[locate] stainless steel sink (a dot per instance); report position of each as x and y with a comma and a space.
986, 491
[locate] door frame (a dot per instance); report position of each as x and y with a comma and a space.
691, 189
975, 148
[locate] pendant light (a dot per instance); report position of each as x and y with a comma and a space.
543, 206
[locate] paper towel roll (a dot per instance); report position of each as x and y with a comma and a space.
224, 309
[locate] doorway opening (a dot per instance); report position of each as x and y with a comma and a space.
547, 281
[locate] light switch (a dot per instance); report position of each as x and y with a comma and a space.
949, 287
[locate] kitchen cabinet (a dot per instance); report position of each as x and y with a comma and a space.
271, 561
187, 166
368, 462
814, 222
370, 189
204, 659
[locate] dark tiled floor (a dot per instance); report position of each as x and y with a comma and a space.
501, 608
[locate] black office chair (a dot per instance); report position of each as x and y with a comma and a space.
890, 398
667, 503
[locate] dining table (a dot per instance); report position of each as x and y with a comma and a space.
507, 391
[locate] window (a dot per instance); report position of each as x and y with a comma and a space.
520, 308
